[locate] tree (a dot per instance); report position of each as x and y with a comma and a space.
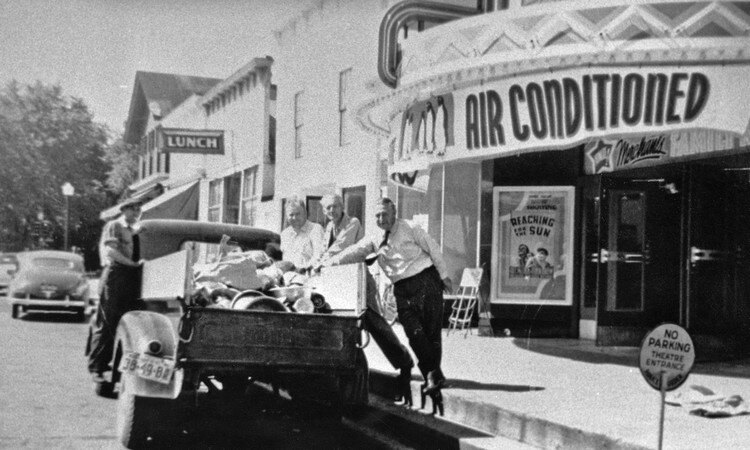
47, 139
123, 160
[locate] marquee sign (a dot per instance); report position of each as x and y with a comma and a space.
553, 110
173, 140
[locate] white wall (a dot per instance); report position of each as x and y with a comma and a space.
313, 50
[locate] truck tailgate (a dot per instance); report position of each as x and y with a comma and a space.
271, 340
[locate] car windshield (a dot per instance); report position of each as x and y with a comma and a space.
203, 252
57, 263
7, 259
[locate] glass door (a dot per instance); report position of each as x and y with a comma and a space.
639, 259
718, 269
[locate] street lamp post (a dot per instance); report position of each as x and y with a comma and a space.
67, 190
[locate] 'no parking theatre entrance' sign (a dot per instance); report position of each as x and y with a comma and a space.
667, 350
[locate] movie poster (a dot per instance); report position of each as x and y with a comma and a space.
532, 238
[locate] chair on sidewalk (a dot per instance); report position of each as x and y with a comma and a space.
464, 301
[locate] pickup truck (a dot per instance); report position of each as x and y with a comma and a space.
174, 350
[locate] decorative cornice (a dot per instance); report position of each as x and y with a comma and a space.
558, 37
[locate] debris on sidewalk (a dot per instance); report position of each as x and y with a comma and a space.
702, 401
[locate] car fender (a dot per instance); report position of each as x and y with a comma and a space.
134, 333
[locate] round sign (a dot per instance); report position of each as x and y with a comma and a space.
667, 349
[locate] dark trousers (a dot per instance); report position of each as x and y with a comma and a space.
419, 300
381, 331
118, 293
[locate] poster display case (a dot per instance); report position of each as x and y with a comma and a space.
532, 238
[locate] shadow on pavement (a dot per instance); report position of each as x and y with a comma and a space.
56, 317
588, 352
454, 384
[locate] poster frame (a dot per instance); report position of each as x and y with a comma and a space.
569, 235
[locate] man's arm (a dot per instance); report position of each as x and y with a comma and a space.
111, 236
113, 254
428, 244
355, 253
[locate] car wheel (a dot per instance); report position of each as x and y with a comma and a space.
140, 418
81, 315
15, 311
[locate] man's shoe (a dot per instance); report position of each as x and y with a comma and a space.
435, 382
98, 377
403, 387
433, 388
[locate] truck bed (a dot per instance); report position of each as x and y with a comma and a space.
283, 342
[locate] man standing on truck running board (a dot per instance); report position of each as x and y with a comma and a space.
119, 285
341, 232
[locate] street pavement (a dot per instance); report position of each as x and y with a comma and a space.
47, 401
564, 393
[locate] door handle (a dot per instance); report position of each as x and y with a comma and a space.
624, 257
705, 254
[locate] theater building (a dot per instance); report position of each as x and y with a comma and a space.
593, 158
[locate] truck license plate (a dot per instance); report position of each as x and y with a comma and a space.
148, 367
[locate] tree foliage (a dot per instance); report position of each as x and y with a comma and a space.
46, 140
123, 160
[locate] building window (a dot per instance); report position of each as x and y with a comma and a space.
354, 203
343, 102
315, 212
298, 122
214, 201
247, 213
232, 198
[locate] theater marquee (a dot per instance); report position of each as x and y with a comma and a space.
559, 110
210, 142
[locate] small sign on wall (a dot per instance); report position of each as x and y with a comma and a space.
208, 142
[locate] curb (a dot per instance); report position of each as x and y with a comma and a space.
497, 421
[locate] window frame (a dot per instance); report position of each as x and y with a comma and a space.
232, 208
248, 196
344, 129
215, 191
298, 122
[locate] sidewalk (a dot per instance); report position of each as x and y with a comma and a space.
564, 393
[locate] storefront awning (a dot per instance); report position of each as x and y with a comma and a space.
177, 203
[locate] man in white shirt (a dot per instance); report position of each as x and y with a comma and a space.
302, 241
342, 232
414, 263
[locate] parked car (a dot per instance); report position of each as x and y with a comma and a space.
8, 264
49, 280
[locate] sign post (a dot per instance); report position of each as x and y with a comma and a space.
666, 358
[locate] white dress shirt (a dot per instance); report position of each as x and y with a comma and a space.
407, 251
302, 247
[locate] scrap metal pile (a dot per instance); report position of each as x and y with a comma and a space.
239, 280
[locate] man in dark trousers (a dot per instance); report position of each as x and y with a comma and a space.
340, 233
414, 263
119, 285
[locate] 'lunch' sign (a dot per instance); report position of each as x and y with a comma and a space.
667, 350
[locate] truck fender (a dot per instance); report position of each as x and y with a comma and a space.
134, 333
